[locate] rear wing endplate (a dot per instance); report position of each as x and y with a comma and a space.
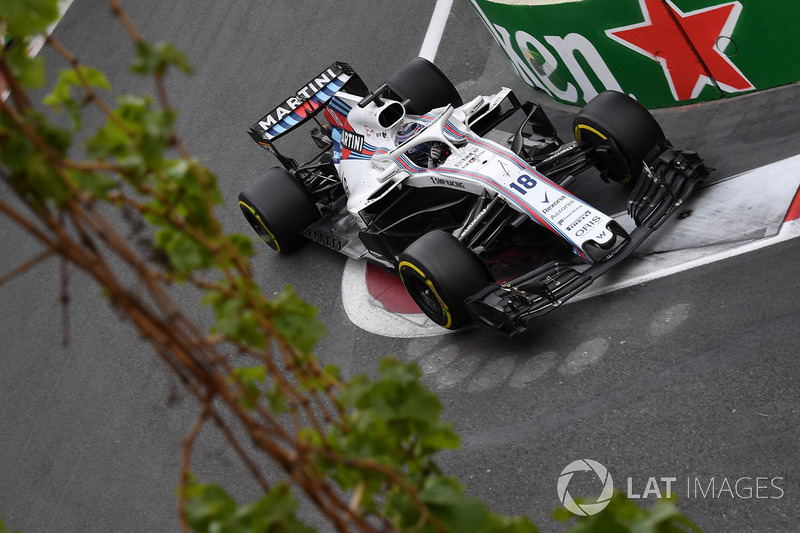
304, 104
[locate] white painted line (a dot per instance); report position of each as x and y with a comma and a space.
731, 217
37, 42
435, 29
789, 230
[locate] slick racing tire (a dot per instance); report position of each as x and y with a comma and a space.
440, 273
424, 84
278, 208
633, 130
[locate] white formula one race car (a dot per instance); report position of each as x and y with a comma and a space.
408, 177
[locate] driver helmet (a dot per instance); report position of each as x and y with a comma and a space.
418, 154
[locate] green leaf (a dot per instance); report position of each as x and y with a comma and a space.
250, 374
30, 170
156, 58
210, 509
67, 79
249, 377
242, 243
99, 185
625, 515
28, 17
235, 318
441, 491
74, 113
394, 421
208, 506
401, 509
29, 71
296, 320
190, 190
61, 95
274, 513
663, 516
452, 509
440, 438
562, 514
276, 400
185, 254
137, 137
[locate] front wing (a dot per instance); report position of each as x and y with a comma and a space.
666, 183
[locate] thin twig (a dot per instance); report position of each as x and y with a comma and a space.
64, 301
91, 94
188, 443
27, 265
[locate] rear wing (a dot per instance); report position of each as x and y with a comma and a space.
305, 103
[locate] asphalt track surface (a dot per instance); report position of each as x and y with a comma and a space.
690, 376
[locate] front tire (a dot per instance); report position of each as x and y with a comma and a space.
439, 273
633, 130
278, 208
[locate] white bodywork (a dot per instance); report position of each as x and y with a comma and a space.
475, 165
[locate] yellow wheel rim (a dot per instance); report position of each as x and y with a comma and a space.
269, 238
445, 310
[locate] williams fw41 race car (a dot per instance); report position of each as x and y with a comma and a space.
479, 222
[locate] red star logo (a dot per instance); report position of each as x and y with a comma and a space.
688, 46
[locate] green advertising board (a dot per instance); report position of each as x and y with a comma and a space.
663, 52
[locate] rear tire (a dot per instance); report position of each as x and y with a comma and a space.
631, 127
424, 84
278, 208
440, 273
